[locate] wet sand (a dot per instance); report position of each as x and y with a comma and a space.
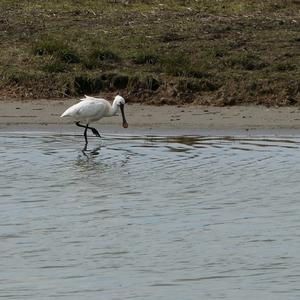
44, 115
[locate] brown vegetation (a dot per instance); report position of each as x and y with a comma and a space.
160, 52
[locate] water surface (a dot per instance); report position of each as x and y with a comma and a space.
138, 217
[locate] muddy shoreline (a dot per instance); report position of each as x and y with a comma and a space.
199, 120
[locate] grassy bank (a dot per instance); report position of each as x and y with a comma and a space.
162, 52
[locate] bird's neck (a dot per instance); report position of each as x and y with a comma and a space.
113, 109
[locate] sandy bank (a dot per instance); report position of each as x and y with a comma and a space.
178, 119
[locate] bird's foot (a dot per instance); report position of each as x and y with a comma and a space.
85, 147
95, 132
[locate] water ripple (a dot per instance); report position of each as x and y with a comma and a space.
149, 217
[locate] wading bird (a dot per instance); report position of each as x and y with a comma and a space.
91, 109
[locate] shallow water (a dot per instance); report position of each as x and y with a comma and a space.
149, 217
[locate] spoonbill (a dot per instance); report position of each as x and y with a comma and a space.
91, 109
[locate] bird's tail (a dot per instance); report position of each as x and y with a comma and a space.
65, 114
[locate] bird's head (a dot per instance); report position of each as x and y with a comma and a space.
120, 101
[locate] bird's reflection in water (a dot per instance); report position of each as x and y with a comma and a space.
91, 153
97, 159
87, 160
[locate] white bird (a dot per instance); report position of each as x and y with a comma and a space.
91, 109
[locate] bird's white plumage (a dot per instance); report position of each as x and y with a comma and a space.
91, 98
86, 111
91, 109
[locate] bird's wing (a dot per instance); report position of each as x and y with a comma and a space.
87, 97
88, 109
90, 98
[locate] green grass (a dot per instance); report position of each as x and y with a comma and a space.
55, 67
207, 51
142, 58
245, 61
57, 48
98, 58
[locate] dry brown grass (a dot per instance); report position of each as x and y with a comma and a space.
205, 52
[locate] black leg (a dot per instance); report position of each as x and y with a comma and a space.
85, 137
94, 130
79, 125
85, 133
